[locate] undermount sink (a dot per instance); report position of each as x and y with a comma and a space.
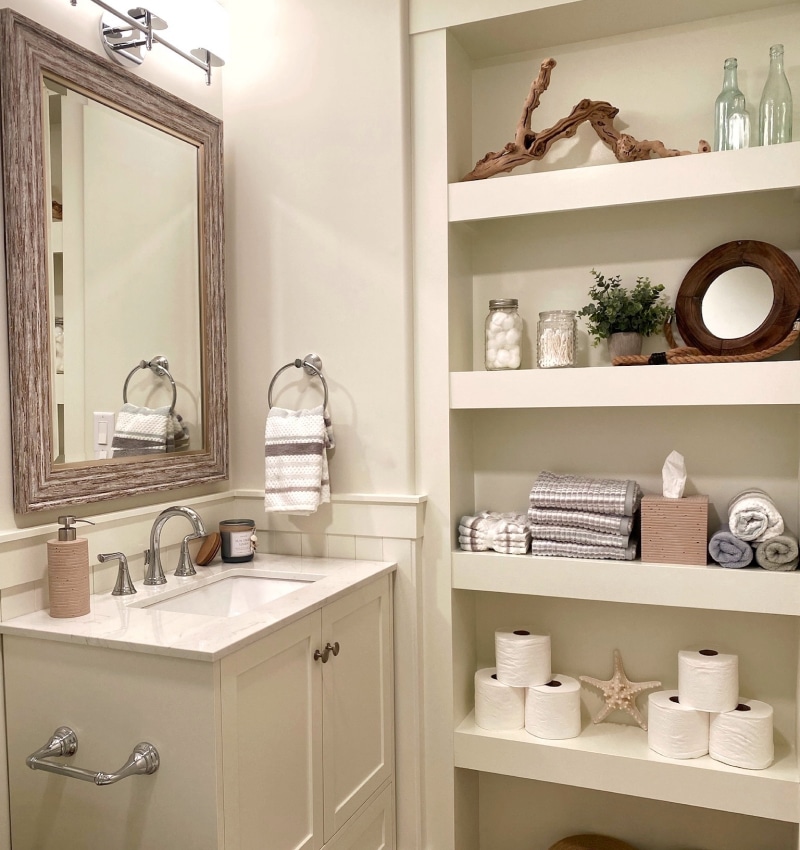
229, 596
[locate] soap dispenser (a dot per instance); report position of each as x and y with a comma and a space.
68, 570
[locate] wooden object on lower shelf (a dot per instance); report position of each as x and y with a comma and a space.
675, 531
591, 842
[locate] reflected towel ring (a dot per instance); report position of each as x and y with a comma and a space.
312, 364
160, 365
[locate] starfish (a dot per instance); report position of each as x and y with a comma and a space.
619, 693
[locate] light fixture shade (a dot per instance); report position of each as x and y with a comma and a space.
196, 26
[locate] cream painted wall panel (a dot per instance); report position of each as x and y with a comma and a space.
317, 230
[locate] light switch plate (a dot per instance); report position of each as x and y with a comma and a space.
103, 434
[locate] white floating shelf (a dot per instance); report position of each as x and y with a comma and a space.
674, 585
696, 384
614, 757
617, 184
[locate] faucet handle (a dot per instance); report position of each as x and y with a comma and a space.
124, 585
185, 565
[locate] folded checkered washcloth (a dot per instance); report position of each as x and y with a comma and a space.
500, 532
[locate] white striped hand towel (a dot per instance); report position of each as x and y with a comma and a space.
296, 460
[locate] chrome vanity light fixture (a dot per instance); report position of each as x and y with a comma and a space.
124, 35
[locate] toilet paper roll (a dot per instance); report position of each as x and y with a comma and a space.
708, 680
497, 706
743, 737
673, 729
522, 659
553, 710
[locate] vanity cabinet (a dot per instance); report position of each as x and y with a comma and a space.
265, 746
301, 788
535, 234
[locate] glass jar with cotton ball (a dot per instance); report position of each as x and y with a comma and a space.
503, 332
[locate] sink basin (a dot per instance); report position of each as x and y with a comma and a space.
229, 596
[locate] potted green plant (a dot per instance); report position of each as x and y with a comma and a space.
622, 316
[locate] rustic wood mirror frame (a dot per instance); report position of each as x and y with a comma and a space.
780, 269
27, 52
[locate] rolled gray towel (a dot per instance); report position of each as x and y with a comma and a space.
727, 550
779, 554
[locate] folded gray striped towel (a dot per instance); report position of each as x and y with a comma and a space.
607, 523
563, 534
296, 460
140, 431
582, 493
177, 434
552, 549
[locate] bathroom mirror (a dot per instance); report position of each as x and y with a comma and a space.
125, 279
741, 297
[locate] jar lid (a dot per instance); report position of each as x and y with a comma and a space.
499, 303
558, 314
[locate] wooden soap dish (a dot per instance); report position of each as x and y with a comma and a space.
591, 842
208, 549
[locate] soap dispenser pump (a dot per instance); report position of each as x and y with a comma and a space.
68, 570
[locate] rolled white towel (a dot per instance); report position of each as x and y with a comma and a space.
752, 516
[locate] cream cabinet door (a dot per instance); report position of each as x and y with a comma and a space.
370, 829
271, 728
358, 740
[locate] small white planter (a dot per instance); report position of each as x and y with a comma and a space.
624, 344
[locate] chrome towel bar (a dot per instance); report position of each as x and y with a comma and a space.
64, 742
312, 365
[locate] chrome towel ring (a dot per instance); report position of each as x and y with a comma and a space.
312, 365
160, 365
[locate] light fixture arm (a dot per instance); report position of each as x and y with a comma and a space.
147, 24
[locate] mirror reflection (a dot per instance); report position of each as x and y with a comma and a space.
124, 283
737, 302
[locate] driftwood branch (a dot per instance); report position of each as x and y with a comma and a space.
529, 145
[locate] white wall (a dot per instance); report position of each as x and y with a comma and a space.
316, 219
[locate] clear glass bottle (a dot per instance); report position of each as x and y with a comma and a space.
556, 333
775, 110
730, 100
503, 334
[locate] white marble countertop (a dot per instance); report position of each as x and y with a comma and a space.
120, 622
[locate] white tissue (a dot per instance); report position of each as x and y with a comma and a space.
673, 729
497, 706
743, 737
522, 659
708, 680
673, 476
553, 710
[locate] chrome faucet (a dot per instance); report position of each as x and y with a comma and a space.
152, 556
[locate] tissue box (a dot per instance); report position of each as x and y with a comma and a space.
675, 531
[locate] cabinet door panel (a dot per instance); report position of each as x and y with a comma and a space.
372, 828
358, 744
271, 726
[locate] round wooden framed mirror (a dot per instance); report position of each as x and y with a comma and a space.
741, 297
